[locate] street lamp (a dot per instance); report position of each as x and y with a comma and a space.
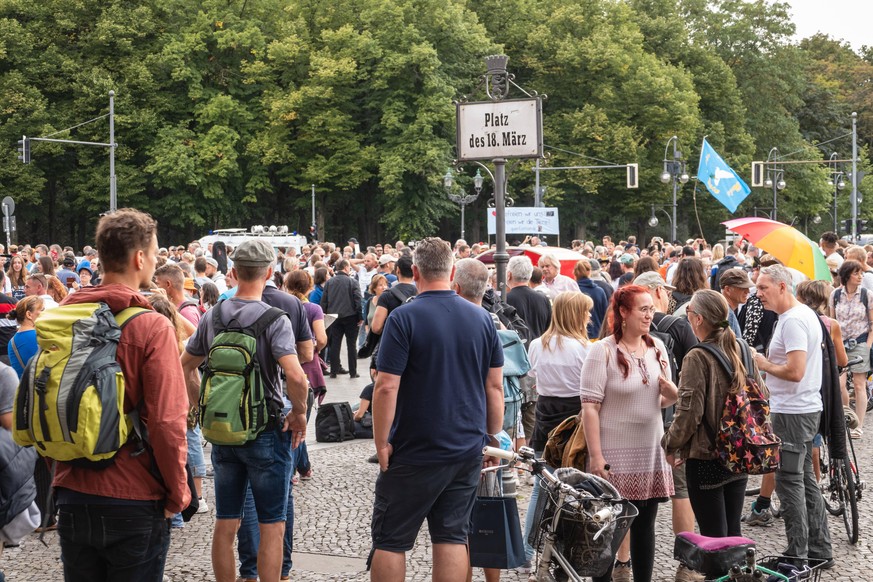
837, 182
673, 170
775, 177
653, 220
462, 199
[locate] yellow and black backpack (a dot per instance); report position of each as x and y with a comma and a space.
70, 403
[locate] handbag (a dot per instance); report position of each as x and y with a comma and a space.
495, 529
369, 344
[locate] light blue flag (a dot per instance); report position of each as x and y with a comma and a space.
721, 181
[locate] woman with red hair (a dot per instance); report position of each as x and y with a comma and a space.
625, 384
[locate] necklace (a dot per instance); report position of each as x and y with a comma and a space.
632, 352
640, 361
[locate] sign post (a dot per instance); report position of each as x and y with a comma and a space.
497, 130
8, 218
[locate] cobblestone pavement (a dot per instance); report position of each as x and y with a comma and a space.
332, 538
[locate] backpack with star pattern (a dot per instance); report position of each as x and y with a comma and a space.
745, 441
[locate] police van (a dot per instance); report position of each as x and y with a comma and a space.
277, 236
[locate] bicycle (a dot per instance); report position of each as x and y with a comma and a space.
735, 559
845, 486
580, 518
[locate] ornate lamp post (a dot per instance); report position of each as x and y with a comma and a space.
775, 177
653, 220
462, 199
673, 170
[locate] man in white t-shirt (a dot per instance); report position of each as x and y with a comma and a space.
794, 370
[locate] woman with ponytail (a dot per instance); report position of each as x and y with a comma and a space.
624, 385
716, 494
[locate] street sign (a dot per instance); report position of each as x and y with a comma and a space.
500, 129
8, 206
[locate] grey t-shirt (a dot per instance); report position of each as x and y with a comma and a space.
278, 341
8, 384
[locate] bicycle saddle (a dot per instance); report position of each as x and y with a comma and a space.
711, 556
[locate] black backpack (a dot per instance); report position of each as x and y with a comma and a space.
723, 265
661, 331
508, 316
334, 422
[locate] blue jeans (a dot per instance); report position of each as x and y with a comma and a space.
529, 516
265, 465
113, 542
249, 538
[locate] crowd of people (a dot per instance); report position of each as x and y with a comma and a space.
614, 344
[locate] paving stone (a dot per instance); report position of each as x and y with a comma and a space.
332, 524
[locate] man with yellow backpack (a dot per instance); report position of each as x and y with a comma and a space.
105, 399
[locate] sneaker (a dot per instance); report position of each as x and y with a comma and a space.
851, 418
856, 433
762, 518
306, 476
202, 507
622, 572
374, 458
686, 574
295, 480
524, 568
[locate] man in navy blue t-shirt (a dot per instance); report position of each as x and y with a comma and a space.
438, 397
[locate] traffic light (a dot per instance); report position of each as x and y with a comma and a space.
633, 172
24, 150
862, 224
847, 225
313, 232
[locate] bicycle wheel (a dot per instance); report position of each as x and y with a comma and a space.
850, 502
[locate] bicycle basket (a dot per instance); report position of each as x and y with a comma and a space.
575, 530
796, 569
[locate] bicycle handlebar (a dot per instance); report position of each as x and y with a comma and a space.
499, 453
852, 362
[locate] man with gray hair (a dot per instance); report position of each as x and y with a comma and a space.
794, 375
438, 399
534, 308
553, 280
470, 280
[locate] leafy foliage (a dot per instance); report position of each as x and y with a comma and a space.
227, 112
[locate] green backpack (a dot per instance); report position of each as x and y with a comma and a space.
234, 406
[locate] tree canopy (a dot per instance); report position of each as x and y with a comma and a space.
227, 112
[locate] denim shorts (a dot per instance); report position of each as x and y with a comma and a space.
195, 452
406, 495
265, 463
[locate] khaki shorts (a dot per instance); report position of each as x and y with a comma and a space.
680, 484
863, 351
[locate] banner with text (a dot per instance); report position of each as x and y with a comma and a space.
526, 221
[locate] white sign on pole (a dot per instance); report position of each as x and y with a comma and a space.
500, 129
526, 221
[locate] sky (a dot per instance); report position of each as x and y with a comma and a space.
848, 20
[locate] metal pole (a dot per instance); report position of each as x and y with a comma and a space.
7, 226
673, 223
775, 179
113, 193
313, 205
462, 220
501, 258
854, 176
836, 224
537, 200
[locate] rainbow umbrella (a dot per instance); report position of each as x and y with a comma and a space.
784, 242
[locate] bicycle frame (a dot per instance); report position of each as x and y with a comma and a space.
567, 496
548, 554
